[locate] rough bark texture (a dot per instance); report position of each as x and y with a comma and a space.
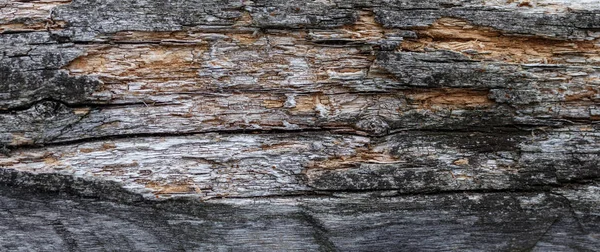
300, 125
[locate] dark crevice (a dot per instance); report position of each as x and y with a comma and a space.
20, 31
320, 232
549, 188
65, 235
345, 131
571, 209
28, 106
320, 130
336, 42
115, 42
167, 134
294, 195
556, 220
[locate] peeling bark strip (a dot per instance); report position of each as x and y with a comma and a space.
489, 45
348, 122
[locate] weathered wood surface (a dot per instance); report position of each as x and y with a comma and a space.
560, 220
311, 125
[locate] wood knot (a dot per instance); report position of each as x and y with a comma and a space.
373, 125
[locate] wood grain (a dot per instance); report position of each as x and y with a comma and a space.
472, 124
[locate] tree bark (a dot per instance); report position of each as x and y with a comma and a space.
300, 125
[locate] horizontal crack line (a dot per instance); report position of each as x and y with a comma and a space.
521, 131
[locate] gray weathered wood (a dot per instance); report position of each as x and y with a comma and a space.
300, 125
